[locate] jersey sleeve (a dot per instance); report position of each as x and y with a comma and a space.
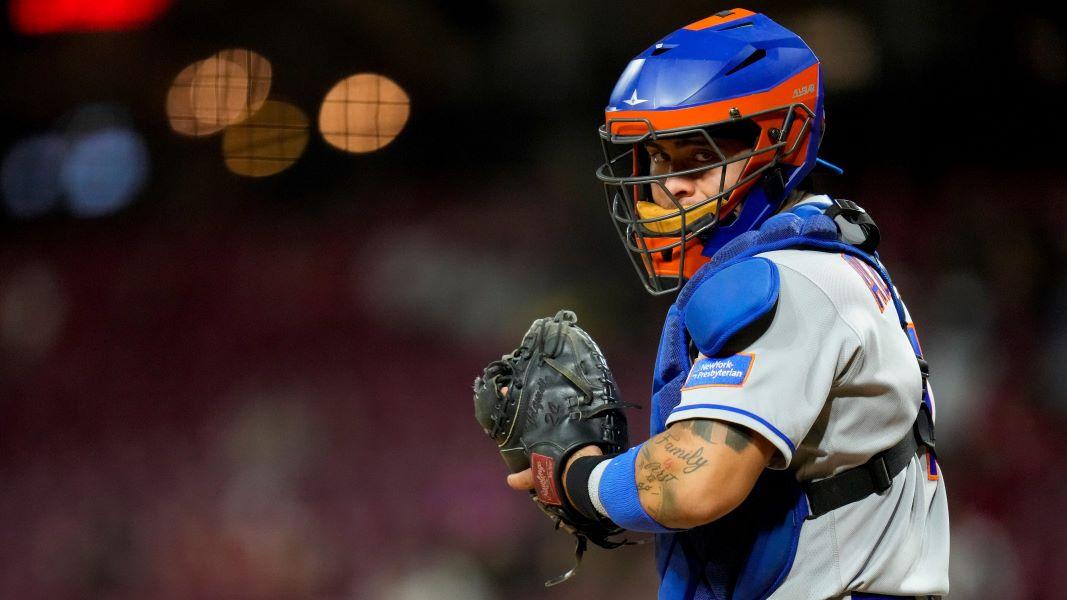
778, 385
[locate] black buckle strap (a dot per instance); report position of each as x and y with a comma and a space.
872, 477
854, 225
924, 428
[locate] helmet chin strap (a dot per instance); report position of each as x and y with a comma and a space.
761, 202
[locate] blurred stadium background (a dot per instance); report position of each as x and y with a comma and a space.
253, 253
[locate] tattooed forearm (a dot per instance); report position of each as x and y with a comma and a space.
667, 463
694, 459
655, 471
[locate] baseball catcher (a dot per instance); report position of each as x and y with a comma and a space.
792, 416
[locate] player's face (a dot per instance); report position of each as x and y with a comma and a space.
673, 155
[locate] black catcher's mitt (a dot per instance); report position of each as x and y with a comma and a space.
560, 396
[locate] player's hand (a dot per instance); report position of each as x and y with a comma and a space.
523, 480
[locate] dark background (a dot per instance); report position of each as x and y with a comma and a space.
260, 387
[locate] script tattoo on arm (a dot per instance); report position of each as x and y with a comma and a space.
669, 461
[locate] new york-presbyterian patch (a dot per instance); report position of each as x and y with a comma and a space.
731, 371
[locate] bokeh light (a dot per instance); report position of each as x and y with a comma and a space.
104, 170
267, 143
364, 113
30, 175
179, 105
259, 72
222, 90
218, 92
54, 16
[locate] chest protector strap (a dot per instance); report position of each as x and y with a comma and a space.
872, 477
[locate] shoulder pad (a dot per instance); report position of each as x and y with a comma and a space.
735, 304
815, 205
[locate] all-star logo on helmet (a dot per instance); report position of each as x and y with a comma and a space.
633, 100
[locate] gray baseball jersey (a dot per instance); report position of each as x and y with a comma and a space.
832, 382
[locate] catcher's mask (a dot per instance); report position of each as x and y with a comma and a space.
736, 75
667, 243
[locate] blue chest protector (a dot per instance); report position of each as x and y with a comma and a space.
748, 553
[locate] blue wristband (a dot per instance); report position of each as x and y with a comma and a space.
618, 495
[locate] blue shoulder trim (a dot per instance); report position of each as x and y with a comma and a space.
740, 411
729, 301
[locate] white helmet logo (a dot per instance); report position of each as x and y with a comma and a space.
634, 100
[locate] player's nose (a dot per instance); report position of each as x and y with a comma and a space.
680, 187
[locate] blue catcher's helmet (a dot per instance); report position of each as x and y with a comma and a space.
738, 76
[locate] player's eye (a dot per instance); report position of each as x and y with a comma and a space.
659, 158
706, 156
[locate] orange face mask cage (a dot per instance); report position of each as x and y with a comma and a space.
665, 260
